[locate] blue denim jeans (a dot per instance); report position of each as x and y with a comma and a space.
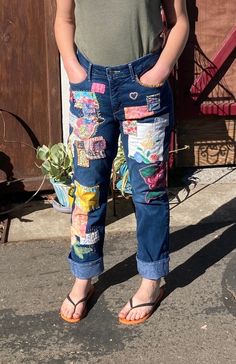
110, 102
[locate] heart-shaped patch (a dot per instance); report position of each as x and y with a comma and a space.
133, 95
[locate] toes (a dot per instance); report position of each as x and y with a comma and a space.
78, 312
124, 312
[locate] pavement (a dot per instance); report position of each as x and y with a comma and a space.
195, 323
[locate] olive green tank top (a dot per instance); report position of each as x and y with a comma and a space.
114, 32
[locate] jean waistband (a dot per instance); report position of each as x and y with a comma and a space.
136, 67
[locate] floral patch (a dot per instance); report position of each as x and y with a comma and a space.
87, 198
137, 112
87, 116
130, 127
79, 221
148, 145
154, 175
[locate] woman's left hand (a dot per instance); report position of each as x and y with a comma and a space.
155, 76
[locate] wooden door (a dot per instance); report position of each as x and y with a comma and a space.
30, 105
205, 90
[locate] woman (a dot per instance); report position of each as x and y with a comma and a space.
118, 85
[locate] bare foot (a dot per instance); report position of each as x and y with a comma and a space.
80, 290
148, 291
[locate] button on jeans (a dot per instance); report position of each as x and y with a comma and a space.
110, 102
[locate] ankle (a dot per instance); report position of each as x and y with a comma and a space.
152, 283
83, 283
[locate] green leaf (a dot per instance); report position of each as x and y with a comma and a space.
42, 152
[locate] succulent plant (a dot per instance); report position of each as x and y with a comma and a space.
57, 162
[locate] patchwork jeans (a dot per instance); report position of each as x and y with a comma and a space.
110, 102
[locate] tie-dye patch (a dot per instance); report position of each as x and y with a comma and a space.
130, 127
148, 145
137, 112
154, 175
153, 102
95, 147
98, 87
87, 198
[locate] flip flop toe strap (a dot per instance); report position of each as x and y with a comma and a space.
76, 304
141, 305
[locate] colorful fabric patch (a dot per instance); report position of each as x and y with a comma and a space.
79, 221
87, 198
148, 145
88, 114
153, 102
90, 238
85, 127
154, 175
80, 251
130, 127
137, 112
82, 159
98, 87
95, 147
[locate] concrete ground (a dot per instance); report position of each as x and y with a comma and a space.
195, 322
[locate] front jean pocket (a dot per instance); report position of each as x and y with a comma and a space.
75, 86
137, 80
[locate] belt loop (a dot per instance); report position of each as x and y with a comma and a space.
131, 71
90, 71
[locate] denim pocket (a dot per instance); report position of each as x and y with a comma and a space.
75, 86
159, 86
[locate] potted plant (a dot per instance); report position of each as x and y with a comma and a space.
57, 166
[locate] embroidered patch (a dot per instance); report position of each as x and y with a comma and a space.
95, 147
153, 102
82, 159
98, 87
154, 175
133, 95
79, 222
87, 198
130, 127
90, 238
148, 145
137, 112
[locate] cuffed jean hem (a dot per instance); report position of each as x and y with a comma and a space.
153, 270
86, 270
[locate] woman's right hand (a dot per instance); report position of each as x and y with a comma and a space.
76, 74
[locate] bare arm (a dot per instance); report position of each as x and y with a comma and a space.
177, 21
64, 28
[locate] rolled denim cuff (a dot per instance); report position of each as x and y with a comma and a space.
153, 270
86, 270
